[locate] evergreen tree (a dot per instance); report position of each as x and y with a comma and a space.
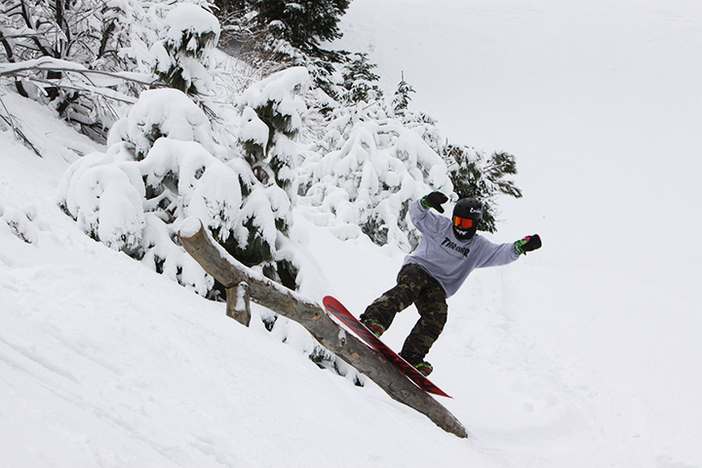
273, 34
303, 23
358, 80
370, 167
181, 55
402, 97
475, 176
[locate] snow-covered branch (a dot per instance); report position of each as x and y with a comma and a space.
98, 77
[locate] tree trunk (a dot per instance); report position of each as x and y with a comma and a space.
230, 272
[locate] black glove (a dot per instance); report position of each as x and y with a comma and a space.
527, 244
434, 200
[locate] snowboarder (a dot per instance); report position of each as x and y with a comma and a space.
447, 253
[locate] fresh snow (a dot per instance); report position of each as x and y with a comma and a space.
585, 353
594, 351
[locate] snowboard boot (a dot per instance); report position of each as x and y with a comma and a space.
418, 362
424, 368
373, 325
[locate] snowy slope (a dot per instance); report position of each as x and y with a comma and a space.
600, 102
105, 363
583, 354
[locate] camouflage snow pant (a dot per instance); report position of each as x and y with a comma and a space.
414, 285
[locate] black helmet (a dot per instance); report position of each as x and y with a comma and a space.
467, 214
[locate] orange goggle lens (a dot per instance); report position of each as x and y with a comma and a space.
463, 223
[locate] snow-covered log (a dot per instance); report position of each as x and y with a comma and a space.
230, 272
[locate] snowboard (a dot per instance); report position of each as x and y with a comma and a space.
340, 312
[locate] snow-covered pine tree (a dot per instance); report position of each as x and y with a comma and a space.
134, 196
359, 80
476, 176
156, 172
130, 28
366, 171
277, 104
160, 169
181, 57
271, 116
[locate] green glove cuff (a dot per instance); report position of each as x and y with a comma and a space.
518, 246
528, 244
425, 202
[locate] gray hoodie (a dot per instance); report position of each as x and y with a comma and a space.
448, 259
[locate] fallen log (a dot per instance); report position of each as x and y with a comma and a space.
230, 272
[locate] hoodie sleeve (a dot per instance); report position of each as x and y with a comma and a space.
497, 254
425, 219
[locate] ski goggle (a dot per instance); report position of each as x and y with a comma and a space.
463, 223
